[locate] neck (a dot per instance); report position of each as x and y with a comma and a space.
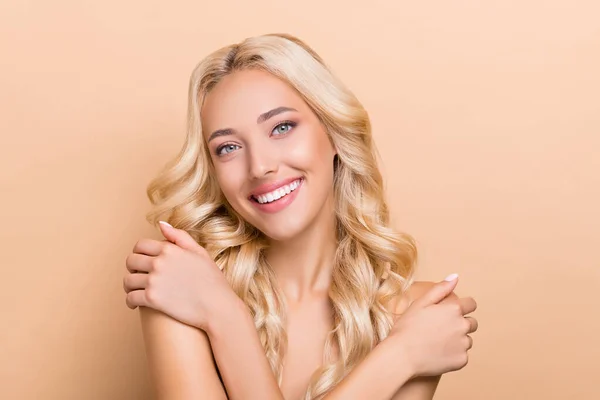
303, 265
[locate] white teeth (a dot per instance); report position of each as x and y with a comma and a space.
278, 193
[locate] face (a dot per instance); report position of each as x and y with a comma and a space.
272, 156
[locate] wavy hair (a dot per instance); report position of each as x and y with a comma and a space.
373, 263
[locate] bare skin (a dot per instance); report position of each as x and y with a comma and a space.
309, 324
181, 363
183, 350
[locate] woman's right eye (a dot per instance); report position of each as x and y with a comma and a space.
226, 149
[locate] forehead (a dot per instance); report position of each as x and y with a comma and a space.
240, 97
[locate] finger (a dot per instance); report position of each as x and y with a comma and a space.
470, 342
180, 237
473, 324
467, 305
138, 263
438, 292
135, 281
136, 298
149, 247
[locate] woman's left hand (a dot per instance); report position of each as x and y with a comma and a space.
178, 278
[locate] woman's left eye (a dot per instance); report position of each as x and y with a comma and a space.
283, 128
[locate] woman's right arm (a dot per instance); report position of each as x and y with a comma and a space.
180, 360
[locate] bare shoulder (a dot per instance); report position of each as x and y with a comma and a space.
420, 388
180, 359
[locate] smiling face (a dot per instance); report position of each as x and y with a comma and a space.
271, 154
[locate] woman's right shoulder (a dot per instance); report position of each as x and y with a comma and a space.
180, 359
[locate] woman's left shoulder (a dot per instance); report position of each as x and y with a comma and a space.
415, 291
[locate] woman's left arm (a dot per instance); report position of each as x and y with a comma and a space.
422, 387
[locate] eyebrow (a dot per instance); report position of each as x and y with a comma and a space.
261, 118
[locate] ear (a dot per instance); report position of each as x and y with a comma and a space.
336, 162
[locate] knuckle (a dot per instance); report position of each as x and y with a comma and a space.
128, 261
129, 301
151, 296
467, 342
466, 325
157, 264
138, 245
455, 307
168, 249
463, 360
151, 282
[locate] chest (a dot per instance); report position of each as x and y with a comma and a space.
307, 329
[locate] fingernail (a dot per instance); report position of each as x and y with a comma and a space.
165, 223
451, 277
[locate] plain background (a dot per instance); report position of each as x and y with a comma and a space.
486, 114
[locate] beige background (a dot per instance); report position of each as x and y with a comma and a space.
487, 116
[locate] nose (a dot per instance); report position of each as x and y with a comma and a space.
262, 161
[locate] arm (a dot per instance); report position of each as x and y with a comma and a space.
181, 364
180, 360
420, 388
423, 387
384, 366
240, 356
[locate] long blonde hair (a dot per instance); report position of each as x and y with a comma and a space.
373, 263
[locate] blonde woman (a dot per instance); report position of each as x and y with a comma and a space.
280, 277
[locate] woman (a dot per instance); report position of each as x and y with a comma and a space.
280, 276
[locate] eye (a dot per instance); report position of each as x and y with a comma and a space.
226, 149
283, 128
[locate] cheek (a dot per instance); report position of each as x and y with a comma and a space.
230, 181
311, 152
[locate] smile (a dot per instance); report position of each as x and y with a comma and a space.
277, 193
277, 198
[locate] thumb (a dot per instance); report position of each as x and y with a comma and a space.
439, 291
178, 236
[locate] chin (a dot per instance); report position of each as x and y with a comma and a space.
282, 232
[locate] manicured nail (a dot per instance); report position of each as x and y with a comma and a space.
165, 223
451, 277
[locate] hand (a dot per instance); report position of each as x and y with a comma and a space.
176, 277
433, 332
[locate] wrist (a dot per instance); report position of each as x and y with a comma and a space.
400, 359
385, 364
230, 315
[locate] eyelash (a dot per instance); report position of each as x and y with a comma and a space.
292, 124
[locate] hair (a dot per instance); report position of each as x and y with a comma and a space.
373, 263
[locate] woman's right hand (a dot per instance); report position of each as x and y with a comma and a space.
433, 332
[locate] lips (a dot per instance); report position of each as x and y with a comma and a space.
267, 188
278, 193
279, 198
